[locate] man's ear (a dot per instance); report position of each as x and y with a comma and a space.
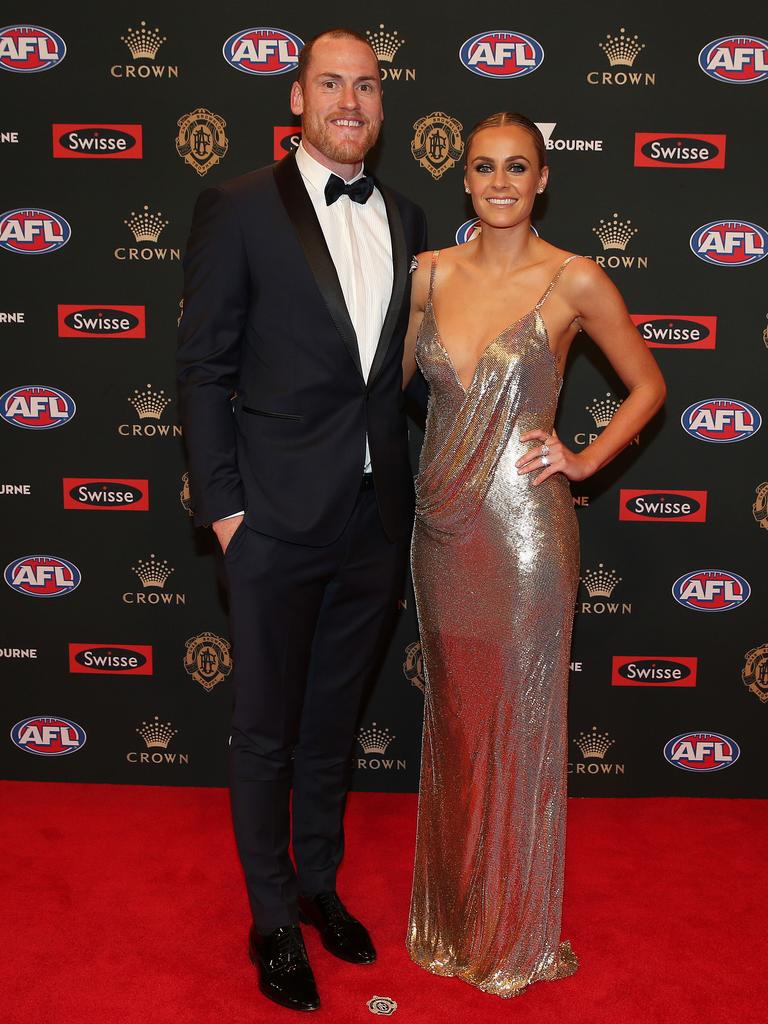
297, 99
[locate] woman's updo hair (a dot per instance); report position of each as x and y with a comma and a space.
509, 117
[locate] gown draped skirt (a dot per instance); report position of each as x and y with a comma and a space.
495, 565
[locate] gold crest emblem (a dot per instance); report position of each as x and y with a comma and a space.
201, 140
437, 143
208, 659
413, 666
755, 672
760, 505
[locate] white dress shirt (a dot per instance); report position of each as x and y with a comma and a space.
358, 239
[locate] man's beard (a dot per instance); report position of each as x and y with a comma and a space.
317, 131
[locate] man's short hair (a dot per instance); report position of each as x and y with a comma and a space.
334, 33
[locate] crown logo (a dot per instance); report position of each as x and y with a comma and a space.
143, 42
594, 743
373, 740
152, 573
621, 49
615, 233
157, 733
149, 404
146, 226
599, 582
602, 410
384, 44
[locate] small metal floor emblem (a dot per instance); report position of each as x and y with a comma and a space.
382, 1006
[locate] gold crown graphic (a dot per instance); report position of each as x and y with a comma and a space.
621, 49
602, 410
143, 42
152, 573
385, 44
157, 733
615, 233
149, 404
594, 743
146, 226
373, 740
599, 582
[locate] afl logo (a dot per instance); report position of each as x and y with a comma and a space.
33, 232
737, 60
501, 53
721, 420
36, 407
469, 229
49, 737
702, 751
730, 243
42, 576
711, 590
29, 48
263, 51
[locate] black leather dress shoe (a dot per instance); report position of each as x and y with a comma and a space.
285, 976
341, 934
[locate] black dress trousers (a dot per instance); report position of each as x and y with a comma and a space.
309, 626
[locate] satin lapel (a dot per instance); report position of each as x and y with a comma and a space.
400, 279
302, 214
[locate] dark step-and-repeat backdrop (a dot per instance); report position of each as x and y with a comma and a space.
114, 651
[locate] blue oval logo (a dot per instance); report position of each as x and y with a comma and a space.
42, 576
33, 232
37, 407
501, 53
702, 751
721, 420
469, 229
730, 243
48, 736
30, 48
711, 590
736, 60
263, 51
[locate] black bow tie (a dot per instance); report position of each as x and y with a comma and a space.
359, 191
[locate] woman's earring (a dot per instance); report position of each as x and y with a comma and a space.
466, 189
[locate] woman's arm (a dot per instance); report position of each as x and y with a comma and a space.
419, 292
602, 314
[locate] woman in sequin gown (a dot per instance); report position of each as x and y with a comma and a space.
495, 562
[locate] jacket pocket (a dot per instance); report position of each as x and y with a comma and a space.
271, 415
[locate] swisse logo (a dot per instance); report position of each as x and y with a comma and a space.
263, 51
36, 407
501, 53
48, 736
662, 506
721, 420
736, 60
112, 659
664, 149
702, 751
33, 232
79, 321
30, 48
711, 590
106, 493
42, 576
676, 331
730, 243
103, 141
285, 139
647, 671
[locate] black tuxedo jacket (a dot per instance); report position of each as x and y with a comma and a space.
274, 405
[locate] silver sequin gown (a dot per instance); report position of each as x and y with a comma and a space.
495, 565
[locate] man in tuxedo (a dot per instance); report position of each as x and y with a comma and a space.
289, 369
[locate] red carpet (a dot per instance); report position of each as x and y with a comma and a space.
124, 905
